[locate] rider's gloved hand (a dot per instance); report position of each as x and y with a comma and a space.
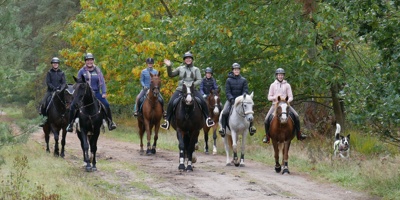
204, 95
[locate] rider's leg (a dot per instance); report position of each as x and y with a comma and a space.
204, 108
139, 96
267, 123
225, 114
297, 124
106, 108
43, 107
170, 108
161, 99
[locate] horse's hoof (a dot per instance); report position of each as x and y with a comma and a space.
278, 169
242, 165
94, 169
181, 167
153, 151
189, 168
285, 171
88, 169
148, 152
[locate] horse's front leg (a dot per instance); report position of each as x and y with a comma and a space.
156, 128
141, 133
93, 148
278, 167
148, 134
56, 135
181, 147
215, 139
234, 148
85, 148
227, 145
63, 142
190, 150
243, 148
206, 130
47, 137
286, 157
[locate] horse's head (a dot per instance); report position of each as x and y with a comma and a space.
282, 109
214, 101
155, 84
82, 91
244, 106
187, 92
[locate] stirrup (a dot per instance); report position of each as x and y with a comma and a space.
266, 139
210, 122
112, 126
70, 128
165, 125
135, 114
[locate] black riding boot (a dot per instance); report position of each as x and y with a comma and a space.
165, 125
71, 119
297, 127
252, 129
161, 100
111, 124
266, 125
222, 130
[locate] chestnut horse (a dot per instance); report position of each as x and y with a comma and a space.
188, 122
58, 113
214, 110
281, 133
151, 115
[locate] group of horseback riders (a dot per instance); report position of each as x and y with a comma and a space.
235, 86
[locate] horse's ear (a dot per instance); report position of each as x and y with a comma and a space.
75, 79
279, 98
151, 75
83, 78
287, 98
192, 75
251, 95
159, 74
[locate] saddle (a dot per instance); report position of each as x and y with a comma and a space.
176, 101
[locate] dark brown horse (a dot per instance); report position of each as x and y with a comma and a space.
281, 132
58, 113
90, 120
151, 115
214, 110
188, 120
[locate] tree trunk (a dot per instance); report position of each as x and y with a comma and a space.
338, 109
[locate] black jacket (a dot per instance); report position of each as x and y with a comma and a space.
55, 80
235, 86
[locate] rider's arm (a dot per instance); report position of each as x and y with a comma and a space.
202, 87
172, 73
48, 82
197, 77
289, 92
245, 87
228, 91
142, 79
271, 93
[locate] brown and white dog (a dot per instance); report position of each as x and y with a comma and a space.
342, 144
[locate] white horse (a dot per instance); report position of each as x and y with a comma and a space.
239, 123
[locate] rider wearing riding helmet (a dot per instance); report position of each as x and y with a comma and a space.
186, 69
145, 80
236, 85
281, 87
55, 80
95, 78
208, 83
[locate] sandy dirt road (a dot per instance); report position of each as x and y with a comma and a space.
211, 179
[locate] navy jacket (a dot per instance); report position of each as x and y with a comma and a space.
235, 86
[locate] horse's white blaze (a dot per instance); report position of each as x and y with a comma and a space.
189, 96
216, 110
284, 116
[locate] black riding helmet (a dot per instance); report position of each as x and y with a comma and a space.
187, 54
55, 60
150, 61
235, 66
209, 70
89, 56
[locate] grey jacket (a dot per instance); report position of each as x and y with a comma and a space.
184, 72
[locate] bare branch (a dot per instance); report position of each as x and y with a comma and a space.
166, 8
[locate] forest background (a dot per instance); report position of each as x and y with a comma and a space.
341, 57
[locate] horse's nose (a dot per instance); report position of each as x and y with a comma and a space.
250, 118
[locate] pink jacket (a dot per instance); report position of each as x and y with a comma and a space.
282, 89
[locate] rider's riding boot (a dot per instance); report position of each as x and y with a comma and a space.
252, 129
266, 138
165, 125
111, 124
135, 111
222, 131
43, 122
297, 127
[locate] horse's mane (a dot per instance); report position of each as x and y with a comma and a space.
242, 98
